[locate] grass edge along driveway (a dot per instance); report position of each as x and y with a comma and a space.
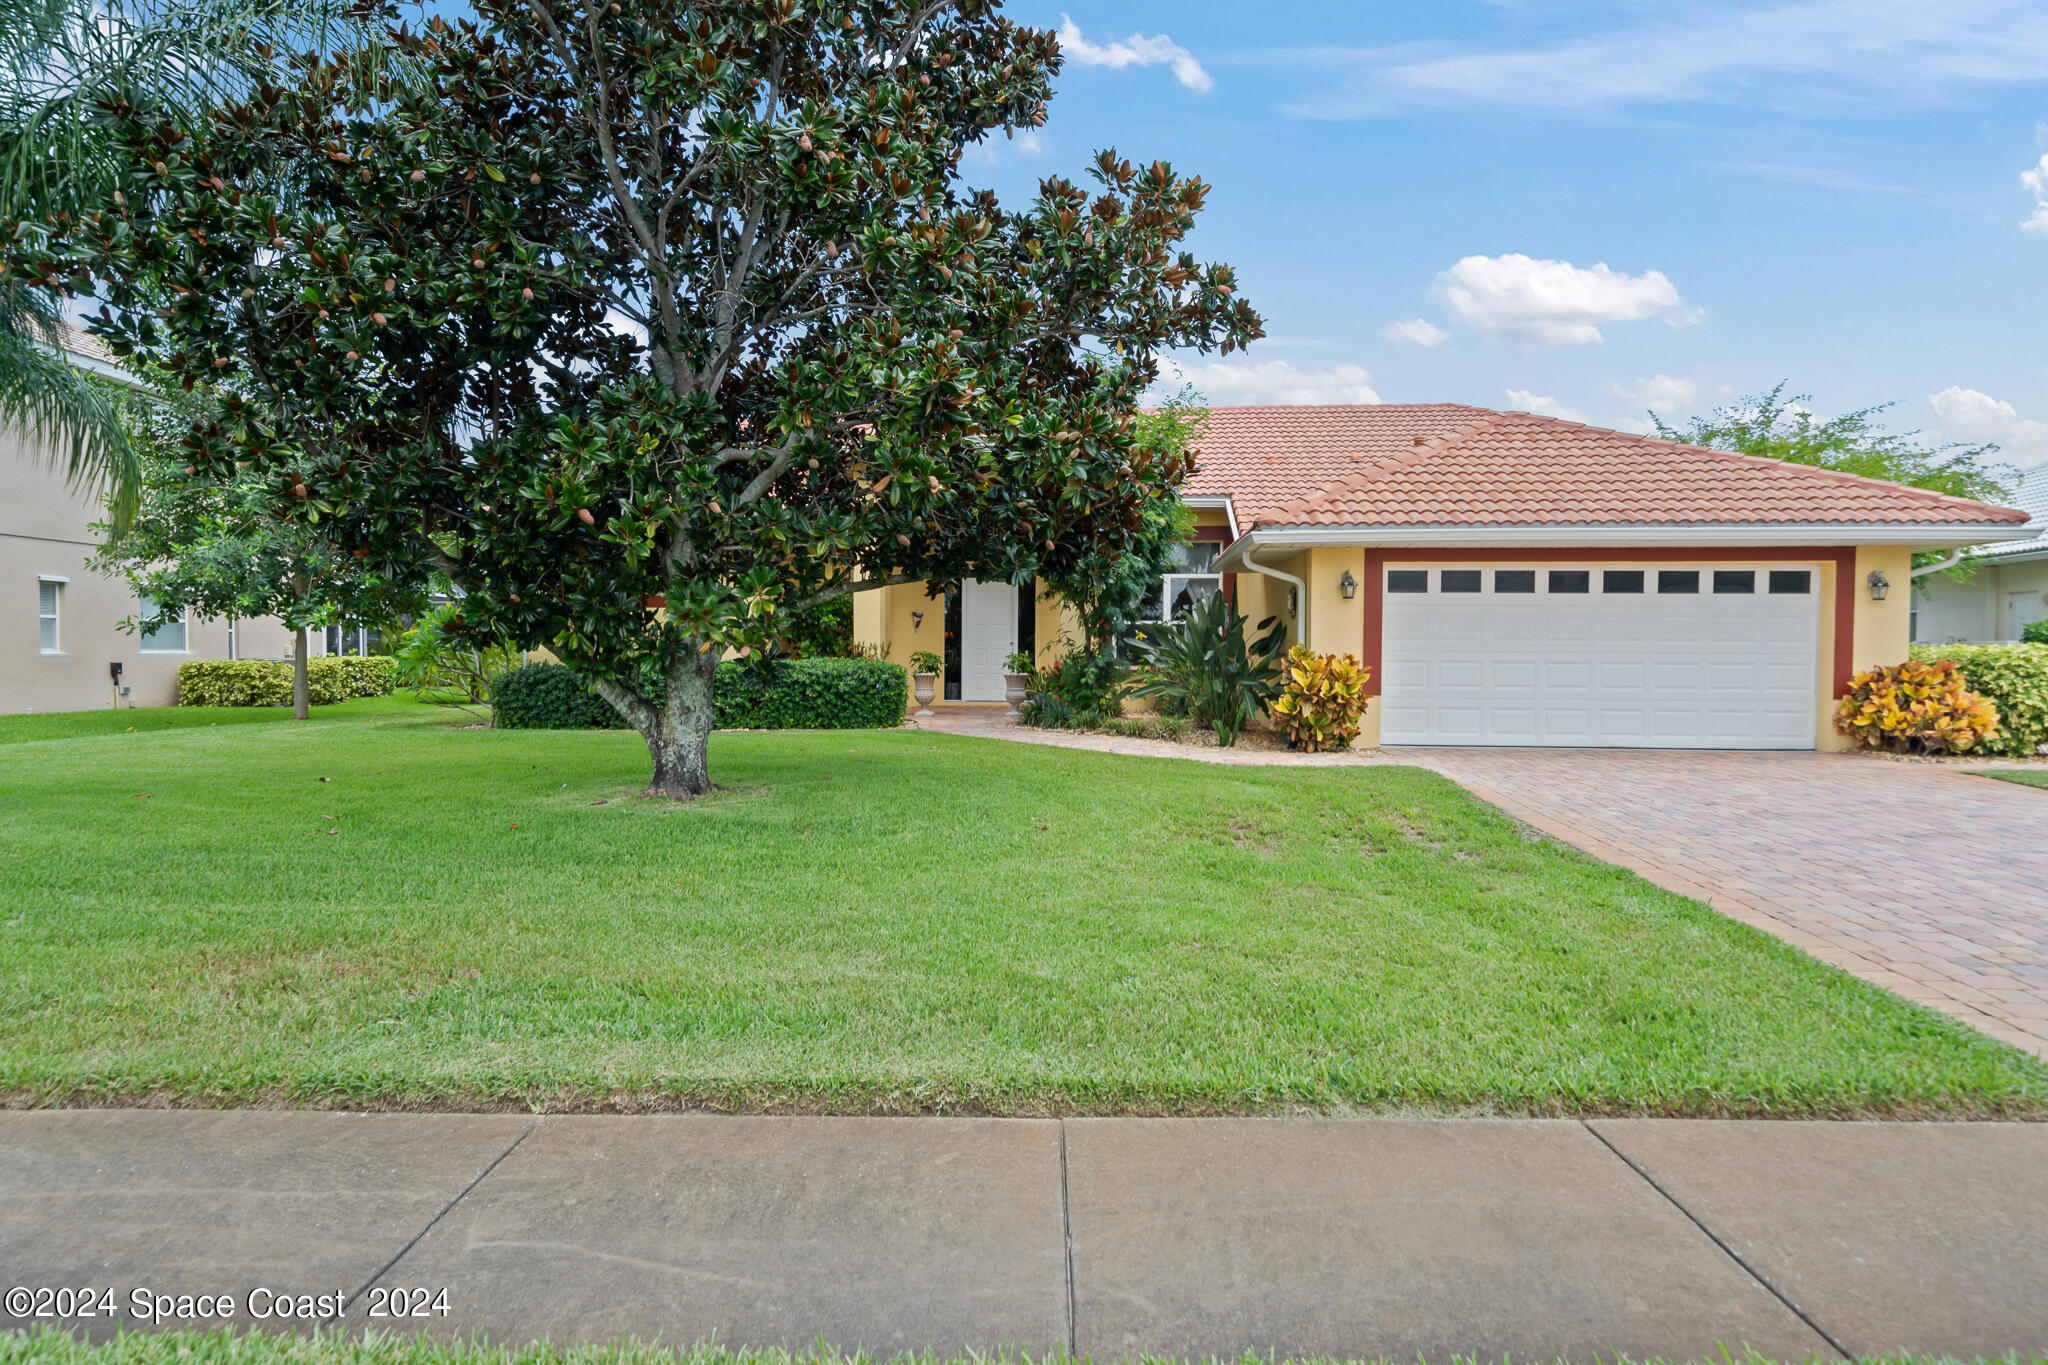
49, 1346
381, 909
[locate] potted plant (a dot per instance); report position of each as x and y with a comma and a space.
925, 668
1016, 680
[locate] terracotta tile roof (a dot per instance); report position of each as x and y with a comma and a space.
1263, 457
1444, 464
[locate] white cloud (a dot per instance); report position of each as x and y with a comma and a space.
1415, 332
1661, 393
1968, 415
1136, 50
1250, 383
1555, 303
2035, 178
1543, 406
1820, 54
993, 151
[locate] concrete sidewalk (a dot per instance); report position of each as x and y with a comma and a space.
1107, 1237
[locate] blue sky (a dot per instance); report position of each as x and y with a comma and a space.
1584, 208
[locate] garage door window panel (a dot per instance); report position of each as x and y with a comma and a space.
1621, 581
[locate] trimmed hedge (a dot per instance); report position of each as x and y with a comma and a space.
799, 694
2015, 678
549, 697
812, 694
268, 682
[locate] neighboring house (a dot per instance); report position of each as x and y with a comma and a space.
59, 621
2007, 589
1518, 580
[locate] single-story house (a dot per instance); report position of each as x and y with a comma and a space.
1519, 580
2007, 590
61, 645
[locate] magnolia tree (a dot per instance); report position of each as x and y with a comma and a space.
651, 322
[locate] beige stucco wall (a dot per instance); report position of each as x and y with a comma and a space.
1976, 610
45, 530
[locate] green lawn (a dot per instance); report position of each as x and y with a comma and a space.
379, 907
2026, 777
227, 1348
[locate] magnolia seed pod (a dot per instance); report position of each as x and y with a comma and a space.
526, 294
583, 515
379, 319
418, 176
533, 179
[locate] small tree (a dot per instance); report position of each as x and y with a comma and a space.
651, 322
214, 546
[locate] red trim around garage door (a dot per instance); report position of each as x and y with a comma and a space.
1844, 560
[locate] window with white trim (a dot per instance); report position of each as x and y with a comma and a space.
168, 637
1190, 582
49, 614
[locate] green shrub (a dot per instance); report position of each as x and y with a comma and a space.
811, 694
788, 694
356, 675
1208, 663
549, 697
1082, 688
2035, 632
2015, 678
268, 682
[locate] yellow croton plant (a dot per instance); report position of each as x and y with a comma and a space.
1915, 707
1322, 700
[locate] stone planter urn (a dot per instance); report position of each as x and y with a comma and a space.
922, 686
1016, 686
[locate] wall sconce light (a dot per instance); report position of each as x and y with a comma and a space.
917, 620
1293, 602
1879, 585
1348, 586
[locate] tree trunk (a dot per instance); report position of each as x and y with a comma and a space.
301, 692
678, 733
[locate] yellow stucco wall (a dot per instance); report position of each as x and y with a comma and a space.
1880, 630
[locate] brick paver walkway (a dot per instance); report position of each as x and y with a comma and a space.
1921, 878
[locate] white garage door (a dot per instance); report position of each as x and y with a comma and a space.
1708, 656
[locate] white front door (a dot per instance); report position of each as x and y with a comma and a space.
1681, 656
988, 635
2020, 609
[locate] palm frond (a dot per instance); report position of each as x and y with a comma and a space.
63, 63
72, 416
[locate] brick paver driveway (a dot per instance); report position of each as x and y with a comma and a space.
1921, 878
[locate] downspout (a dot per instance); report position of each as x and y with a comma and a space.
1954, 558
1300, 591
